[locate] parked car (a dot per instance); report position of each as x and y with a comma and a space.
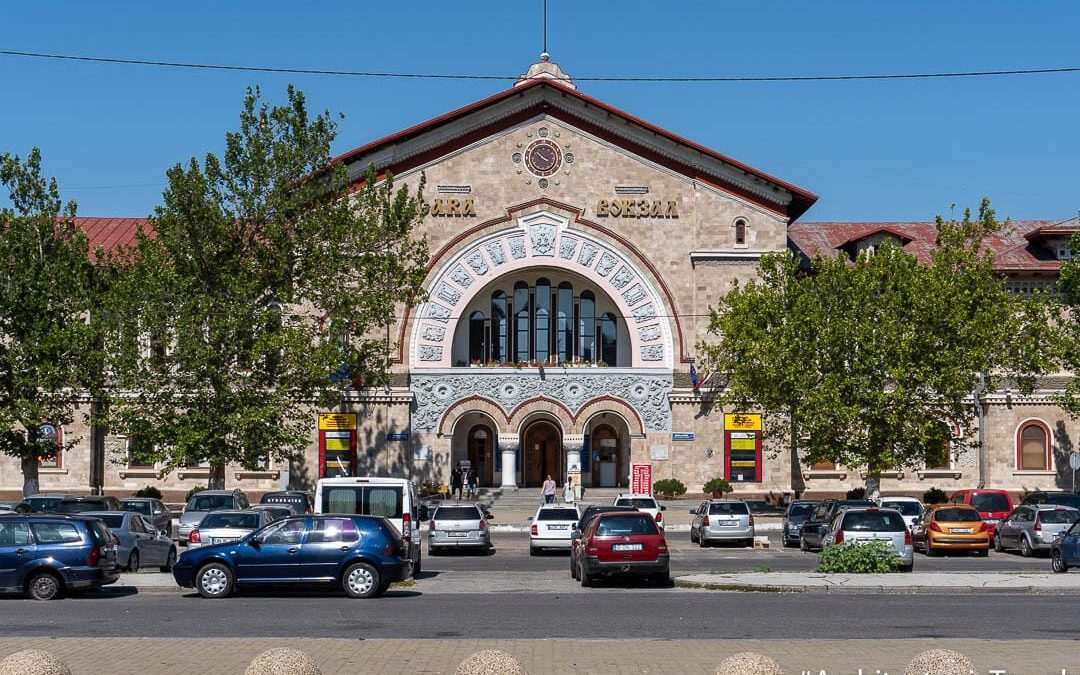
153, 510
909, 507
950, 527
206, 502
16, 507
84, 503
760, 507
587, 517
1057, 498
45, 502
552, 527
992, 505
1065, 551
645, 504
140, 543
797, 513
458, 525
300, 502
623, 544
722, 520
361, 554
276, 511
222, 527
860, 525
1032, 528
45, 555
816, 526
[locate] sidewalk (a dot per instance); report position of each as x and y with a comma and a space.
165, 656
914, 582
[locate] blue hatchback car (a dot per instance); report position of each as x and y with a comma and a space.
46, 554
362, 554
1065, 551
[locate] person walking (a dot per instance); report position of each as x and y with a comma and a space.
455, 483
548, 490
568, 491
470, 484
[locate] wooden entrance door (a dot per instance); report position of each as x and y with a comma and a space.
542, 454
482, 453
607, 458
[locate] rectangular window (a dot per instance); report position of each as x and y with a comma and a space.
823, 466
363, 501
50, 438
56, 533
140, 454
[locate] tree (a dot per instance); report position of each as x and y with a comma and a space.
258, 294
871, 363
48, 353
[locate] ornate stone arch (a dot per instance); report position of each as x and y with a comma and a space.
541, 405
473, 404
612, 405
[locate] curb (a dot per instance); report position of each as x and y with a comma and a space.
735, 586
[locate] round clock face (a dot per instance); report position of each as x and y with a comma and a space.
543, 157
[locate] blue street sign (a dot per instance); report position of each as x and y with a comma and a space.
402, 436
682, 436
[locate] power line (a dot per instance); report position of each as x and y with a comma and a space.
462, 76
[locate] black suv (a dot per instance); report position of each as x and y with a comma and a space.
797, 513
86, 503
812, 536
1057, 498
299, 502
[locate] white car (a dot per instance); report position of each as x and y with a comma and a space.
645, 503
221, 527
552, 526
909, 507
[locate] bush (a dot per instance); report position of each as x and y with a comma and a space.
856, 493
717, 485
192, 492
148, 491
861, 558
672, 487
935, 496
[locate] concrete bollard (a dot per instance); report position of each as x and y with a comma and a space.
749, 663
33, 662
491, 662
940, 662
282, 661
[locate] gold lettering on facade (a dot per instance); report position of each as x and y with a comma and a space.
452, 207
602, 208
615, 209
637, 208
672, 209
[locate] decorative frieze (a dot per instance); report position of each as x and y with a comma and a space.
433, 333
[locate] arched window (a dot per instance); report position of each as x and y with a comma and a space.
1033, 447
498, 327
543, 320
587, 327
521, 321
565, 327
477, 338
740, 232
609, 335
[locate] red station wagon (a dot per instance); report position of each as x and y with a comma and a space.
993, 505
623, 544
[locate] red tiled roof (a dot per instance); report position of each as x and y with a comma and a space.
1013, 251
108, 233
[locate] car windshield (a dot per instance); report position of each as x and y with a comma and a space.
115, 521
210, 503
43, 504
989, 501
637, 502
1059, 516
800, 510
242, 521
81, 507
456, 513
956, 515
728, 509
137, 507
905, 508
873, 521
623, 525
1064, 500
557, 514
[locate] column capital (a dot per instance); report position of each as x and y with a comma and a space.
509, 442
573, 442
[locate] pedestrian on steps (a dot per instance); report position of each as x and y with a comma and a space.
548, 490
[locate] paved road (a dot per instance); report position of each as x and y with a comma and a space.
600, 614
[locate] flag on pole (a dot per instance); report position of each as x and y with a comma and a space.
708, 376
694, 377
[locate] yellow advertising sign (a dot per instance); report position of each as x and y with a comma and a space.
742, 422
338, 444
743, 444
337, 421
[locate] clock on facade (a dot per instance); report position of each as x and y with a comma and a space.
543, 157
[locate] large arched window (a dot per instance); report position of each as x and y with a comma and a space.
609, 336
587, 327
565, 326
521, 321
543, 320
1033, 447
498, 327
477, 338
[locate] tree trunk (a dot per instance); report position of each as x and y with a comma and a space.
217, 476
873, 483
798, 484
30, 476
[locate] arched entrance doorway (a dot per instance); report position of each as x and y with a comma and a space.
542, 454
481, 453
607, 465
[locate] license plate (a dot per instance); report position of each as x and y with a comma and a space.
729, 523
626, 547
961, 530
557, 527
224, 540
458, 534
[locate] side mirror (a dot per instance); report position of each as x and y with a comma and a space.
663, 508
488, 516
529, 519
255, 542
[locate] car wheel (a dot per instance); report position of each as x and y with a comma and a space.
584, 578
43, 586
693, 538
702, 542
214, 581
997, 543
1025, 547
663, 579
133, 561
573, 569
983, 552
170, 561
931, 552
1057, 562
533, 551
802, 545
419, 566
361, 581
907, 568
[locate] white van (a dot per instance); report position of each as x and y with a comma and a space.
393, 498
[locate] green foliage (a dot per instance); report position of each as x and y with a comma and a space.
192, 492
149, 491
871, 363
935, 496
717, 486
268, 285
859, 558
672, 487
856, 493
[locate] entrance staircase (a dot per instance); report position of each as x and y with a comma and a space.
529, 498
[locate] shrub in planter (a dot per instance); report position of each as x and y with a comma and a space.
717, 486
862, 558
148, 491
935, 496
856, 493
669, 487
192, 492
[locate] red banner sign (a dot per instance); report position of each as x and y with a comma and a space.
641, 479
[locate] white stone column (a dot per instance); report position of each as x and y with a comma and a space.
508, 446
573, 444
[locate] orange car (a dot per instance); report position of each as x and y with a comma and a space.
950, 527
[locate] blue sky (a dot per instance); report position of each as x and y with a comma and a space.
895, 150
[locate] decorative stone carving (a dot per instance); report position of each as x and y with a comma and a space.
645, 313
438, 312
461, 277
430, 353
573, 442
477, 263
588, 254
517, 247
495, 250
567, 247
621, 278
634, 295
652, 353
606, 264
543, 238
649, 333
448, 294
433, 333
